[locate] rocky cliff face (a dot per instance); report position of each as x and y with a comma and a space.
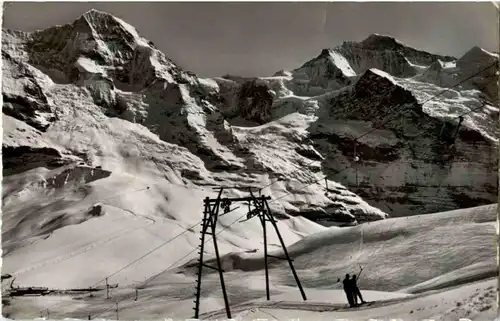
416, 158
247, 101
411, 162
382, 44
94, 93
445, 74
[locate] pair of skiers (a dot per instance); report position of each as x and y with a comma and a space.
351, 289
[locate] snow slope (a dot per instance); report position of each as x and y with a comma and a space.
412, 273
474, 302
131, 220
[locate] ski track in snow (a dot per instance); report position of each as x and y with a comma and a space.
84, 249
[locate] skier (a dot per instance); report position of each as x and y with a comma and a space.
355, 291
348, 290
354, 286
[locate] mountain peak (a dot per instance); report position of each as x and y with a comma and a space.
95, 17
325, 52
104, 25
100, 44
477, 55
385, 44
331, 65
478, 51
95, 12
377, 41
376, 37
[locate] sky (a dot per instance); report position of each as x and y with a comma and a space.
258, 39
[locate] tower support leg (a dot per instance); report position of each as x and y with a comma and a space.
210, 216
273, 222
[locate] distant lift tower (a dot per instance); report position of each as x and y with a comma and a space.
210, 216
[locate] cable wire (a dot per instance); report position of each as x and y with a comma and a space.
145, 255
147, 281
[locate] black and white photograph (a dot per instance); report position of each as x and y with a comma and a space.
250, 161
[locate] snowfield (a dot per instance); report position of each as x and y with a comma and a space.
109, 149
439, 266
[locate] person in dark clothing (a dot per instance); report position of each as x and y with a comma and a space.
355, 290
348, 290
354, 286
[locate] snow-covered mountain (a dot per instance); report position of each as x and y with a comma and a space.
412, 159
109, 149
95, 93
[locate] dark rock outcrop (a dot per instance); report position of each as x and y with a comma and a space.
23, 158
